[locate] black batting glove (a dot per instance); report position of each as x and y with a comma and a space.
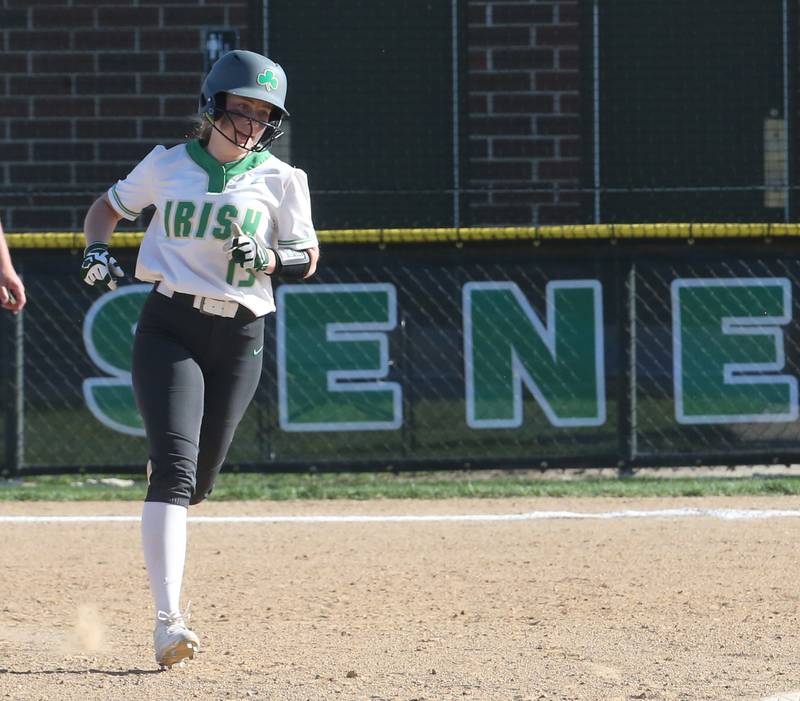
99, 268
246, 251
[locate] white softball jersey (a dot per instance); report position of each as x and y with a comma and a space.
197, 199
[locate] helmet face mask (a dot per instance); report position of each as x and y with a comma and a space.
217, 113
249, 75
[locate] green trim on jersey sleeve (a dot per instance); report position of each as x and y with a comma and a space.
121, 205
220, 173
288, 243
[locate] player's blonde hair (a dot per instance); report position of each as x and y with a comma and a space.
201, 128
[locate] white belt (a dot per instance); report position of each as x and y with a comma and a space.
205, 305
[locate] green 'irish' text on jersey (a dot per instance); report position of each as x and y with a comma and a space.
197, 200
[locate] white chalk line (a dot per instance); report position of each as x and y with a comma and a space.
724, 514
784, 696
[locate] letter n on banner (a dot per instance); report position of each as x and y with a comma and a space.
507, 346
333, 358
728, 350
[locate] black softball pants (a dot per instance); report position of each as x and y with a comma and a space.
194, 376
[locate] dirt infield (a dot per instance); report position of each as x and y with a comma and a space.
626, 608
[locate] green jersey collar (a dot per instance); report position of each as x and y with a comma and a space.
220, 173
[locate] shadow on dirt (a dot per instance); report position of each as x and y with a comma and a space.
105, 672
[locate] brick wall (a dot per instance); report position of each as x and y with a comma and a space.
523, 112
87, 88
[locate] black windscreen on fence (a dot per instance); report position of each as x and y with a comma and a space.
689, 109
373, 105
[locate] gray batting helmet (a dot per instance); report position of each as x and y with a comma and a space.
247, 74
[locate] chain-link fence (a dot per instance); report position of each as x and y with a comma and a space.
564, 354
421, 114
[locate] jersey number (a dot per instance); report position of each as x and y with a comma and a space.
248, 281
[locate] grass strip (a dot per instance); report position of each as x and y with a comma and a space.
233, 486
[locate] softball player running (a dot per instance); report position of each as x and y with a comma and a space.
229, 216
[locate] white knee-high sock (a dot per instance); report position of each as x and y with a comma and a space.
164, 545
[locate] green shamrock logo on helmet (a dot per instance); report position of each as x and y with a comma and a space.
268, 79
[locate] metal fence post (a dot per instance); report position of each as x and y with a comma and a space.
632, 379
13, 387
5, 393
626, 394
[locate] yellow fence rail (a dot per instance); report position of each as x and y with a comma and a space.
71, 240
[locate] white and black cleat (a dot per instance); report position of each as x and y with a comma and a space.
174, 641
177, 657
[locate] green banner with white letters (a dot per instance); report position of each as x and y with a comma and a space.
333, 358
403, 358
728, 340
